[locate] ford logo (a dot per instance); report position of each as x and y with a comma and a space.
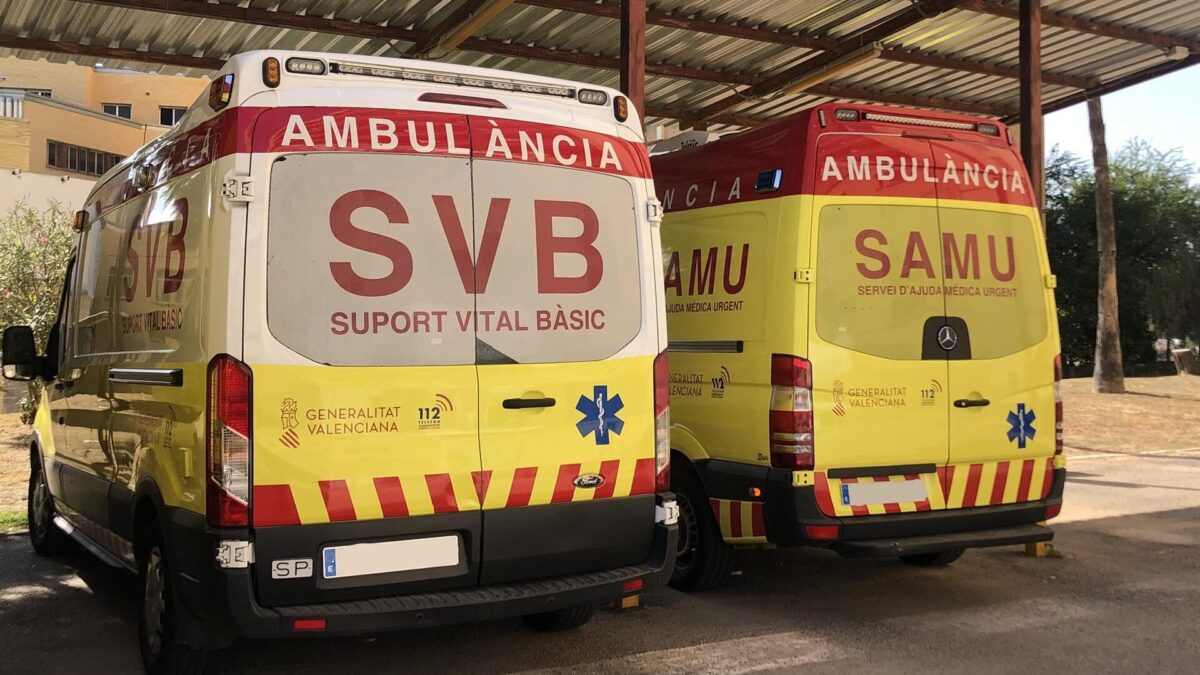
588, 480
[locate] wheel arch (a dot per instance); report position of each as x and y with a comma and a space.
147, 509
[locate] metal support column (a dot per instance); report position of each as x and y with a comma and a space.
1032, 127
633, 53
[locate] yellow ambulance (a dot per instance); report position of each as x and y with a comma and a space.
363, 343
864, 348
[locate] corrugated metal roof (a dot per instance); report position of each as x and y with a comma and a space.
960, 34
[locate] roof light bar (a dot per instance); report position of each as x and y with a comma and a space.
305, 66
988, 129
918, 121
592, 96
416, 75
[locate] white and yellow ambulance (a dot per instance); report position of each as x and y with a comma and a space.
864, 347
363, 343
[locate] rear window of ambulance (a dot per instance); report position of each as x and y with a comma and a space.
884, 270
994, 279
420, 260
868, 299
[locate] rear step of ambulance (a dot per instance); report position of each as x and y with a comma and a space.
933, 543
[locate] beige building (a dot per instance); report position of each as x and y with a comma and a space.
63, 125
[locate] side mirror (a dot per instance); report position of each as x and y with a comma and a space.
80, 221
18, 353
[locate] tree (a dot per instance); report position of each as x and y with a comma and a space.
1109, 374
1156, 204
34, 246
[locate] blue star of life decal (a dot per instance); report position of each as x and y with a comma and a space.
1021, 425
600, 414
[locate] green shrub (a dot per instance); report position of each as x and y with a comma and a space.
34, 245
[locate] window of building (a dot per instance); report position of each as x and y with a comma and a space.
124, 110
44, 93
169, 115
69, 157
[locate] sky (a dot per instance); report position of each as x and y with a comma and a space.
1164, 111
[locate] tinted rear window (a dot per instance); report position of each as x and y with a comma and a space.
883, 270
869, 298
399, 260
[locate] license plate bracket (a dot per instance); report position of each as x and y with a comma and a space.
890, 492
388, 557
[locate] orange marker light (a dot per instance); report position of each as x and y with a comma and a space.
271, 72
621, 108
755, 492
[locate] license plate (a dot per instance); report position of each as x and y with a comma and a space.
355, 560
892, 492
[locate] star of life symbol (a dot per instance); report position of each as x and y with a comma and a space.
1021, 425
287, 420
600, 414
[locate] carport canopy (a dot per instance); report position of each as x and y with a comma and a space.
708, 64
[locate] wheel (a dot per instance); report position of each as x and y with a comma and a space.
46, 537
938, 559
561, 619
702, 560
162, 652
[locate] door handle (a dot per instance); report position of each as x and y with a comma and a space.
971, 403
521, 403
62, 420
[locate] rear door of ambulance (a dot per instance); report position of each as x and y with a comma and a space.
1000, 302
359, 337
566, 342
879, 380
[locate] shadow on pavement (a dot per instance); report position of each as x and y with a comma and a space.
73, 614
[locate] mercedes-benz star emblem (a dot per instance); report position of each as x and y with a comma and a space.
947, 338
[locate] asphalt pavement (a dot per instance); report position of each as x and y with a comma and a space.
1120, 593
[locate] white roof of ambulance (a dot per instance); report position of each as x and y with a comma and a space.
354, 90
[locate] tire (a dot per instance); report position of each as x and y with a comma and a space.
703, 560
162, 652
938, 559
560, 619
45, 536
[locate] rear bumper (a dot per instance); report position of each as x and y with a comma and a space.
791, 514
226, 608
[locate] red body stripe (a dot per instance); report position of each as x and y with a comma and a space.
756, 520
240, 130
716, 509
856, 510
735, 519
946, 478
522, 486
824, 501
608, 471
391, 497
1048, 482
1001, 482
441, 493
972, 492
1026, 480
890, 507
643, 477
564, 487
274, 505
338, 504
482, 480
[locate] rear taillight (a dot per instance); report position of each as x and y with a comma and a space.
791, 422
662, 425
1058, 406
227, 444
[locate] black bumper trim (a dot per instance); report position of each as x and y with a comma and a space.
789, 510
882, 548
234, 612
